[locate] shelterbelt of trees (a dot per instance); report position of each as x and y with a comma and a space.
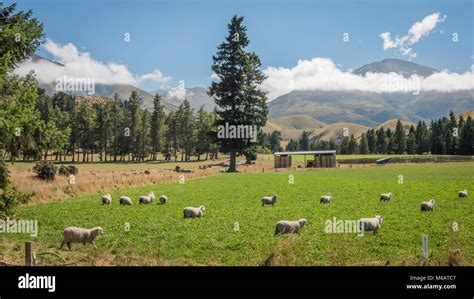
446, 136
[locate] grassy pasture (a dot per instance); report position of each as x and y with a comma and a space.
159, 235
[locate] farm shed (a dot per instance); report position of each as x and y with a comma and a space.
321, 159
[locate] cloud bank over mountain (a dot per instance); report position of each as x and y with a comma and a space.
77, 64
323, 74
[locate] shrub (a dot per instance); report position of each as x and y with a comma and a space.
68, 170
45, 170
9, 199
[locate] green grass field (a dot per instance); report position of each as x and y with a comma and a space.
159, 232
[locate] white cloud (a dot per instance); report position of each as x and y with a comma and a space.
415, 33
178, 91
81, 65
323, 74
155, 76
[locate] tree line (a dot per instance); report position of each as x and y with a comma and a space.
446, 136
115, 130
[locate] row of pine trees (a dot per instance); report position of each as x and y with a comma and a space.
97, 129
446, 136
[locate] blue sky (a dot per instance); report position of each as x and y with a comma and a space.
179, 37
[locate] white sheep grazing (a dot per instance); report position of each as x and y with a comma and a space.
463, 193
290, 227
107, 199
191, 212
385, 196
80, 235
269, 200
370, 224
325, 199
147, 199
428, 205
163, 199
125, 200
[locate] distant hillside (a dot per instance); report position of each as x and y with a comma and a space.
365, 108
392, 124
301, 121
123, 91
197, 97
466, 114
371, 108
336, 131
398, 66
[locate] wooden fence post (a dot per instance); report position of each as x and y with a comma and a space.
28, 254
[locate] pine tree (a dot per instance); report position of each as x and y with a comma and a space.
453, 140
236, 93
292, 146
411, 141
352, 147
275, 141
390, 141
157, 125
344, 146
466, 142
400, 141
118, 131
304, 141
381, 141
364, 145
171, 137
203, 131
133, 106
422, 134
185, 129
372, 141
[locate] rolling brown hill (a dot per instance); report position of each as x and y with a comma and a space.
336, 131
392, 124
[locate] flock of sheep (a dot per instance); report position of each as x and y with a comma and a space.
84, 236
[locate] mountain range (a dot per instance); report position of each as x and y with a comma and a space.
318, 107
372, 108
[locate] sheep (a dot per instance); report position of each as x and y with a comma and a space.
80, 235
147, 199
106, 199
191, 212
428, 205
370, 224
290, 227
325, 199
125, 200
463, 193
385, 196
163, 199
269, 200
